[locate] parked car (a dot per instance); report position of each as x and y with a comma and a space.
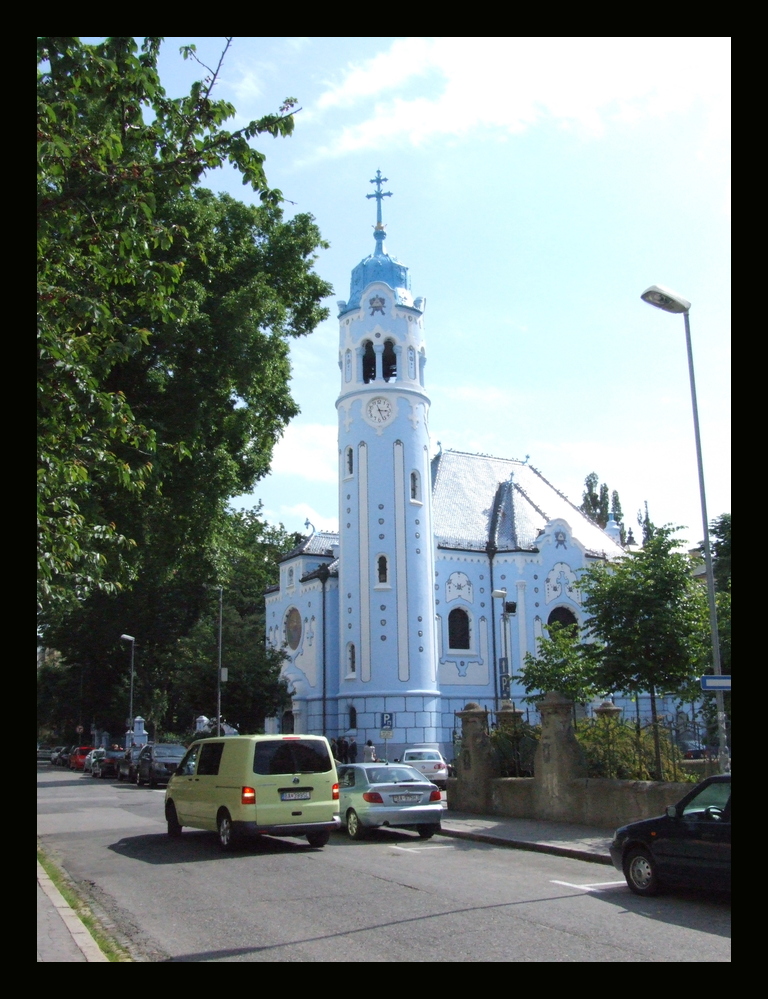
156, 763
55, 754
126, 769
281, 785
44, 754
64, 755
91, 758
77, 757
106, 765
689, 845
428, 762
388, 794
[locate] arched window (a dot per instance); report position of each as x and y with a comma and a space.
382, 566
564, 617
286, 726
415, 486
350, 460
369, 363
351, 663
352, 716
389, 361
458, 629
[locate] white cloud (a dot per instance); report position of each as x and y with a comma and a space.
509, 84
309, 451
304, 512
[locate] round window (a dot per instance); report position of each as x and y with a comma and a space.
293, 628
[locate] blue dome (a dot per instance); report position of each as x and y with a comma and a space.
379, 266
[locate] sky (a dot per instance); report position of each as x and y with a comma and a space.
539, 186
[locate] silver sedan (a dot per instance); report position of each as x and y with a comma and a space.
385, 794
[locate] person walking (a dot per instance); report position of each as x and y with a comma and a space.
352, 750
343, 750
369, 752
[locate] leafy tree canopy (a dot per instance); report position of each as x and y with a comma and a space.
597, 505
559, 664
122, 267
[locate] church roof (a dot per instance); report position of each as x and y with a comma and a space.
379, 266
318, 543
478, 498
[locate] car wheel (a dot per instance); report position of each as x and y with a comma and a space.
174, 828
354, 825
227, 835
640, 872
427, 832
318, 839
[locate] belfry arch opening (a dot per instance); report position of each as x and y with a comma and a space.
389, 361
369, 362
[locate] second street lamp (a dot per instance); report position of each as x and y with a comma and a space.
669, 301
132, 640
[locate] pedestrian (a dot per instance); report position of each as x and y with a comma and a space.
352, 750
334, 749
343, 750
369, 752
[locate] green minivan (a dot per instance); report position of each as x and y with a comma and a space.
241, 785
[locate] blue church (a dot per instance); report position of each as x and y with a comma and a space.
443, 574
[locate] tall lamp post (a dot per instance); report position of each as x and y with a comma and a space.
132, 640
214, 586
669, 301
504, 683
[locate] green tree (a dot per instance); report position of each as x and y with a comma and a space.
113, 153
720, 543
559, 664
595, 503
647, 617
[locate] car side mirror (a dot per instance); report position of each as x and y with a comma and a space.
397, 761
672, 811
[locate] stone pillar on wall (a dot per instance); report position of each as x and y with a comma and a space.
470, 790
558, 761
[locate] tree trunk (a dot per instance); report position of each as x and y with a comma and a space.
659, 775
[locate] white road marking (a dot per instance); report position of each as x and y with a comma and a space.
420, 849
597, 886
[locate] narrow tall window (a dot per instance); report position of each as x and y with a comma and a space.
458, 629
415, 486
389, 361
382, 563
352, 716
351, 669
369, 363
350, 461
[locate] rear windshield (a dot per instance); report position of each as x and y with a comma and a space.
169, 752
421, 756
293, 756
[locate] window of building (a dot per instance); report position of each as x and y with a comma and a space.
389, 361
415, 486
351, 661
382, 568
565, 617
350, 461
292, 628
369, 363
458, 629
352, 716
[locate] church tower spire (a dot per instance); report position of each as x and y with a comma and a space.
388, 646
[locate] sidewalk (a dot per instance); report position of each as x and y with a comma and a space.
61, 937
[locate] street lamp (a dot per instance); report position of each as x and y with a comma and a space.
212, 586
669, 301
132, 640
502, 595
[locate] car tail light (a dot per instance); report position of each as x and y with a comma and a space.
335, 792
248, 796
438, 766
435, 796
373, 797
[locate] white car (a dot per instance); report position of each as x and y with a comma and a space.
430, 763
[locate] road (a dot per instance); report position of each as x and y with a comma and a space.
391, 897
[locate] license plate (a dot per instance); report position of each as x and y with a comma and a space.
294, 796
400, 798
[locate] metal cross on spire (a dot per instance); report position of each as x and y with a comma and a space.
378, 180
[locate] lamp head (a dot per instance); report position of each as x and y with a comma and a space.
128, 638
665, 298
501, 594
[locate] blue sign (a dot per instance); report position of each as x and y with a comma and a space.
387, 720
715, 682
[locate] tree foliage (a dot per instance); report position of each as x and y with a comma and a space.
559, 664
116, 157
598, 503
647, 619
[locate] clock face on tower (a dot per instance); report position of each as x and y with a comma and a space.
379, 410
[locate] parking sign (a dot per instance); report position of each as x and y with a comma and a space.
387, 720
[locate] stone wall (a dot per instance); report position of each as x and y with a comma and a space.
559, 791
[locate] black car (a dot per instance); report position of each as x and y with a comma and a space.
156, 763
690, 845
126, 768
108, 764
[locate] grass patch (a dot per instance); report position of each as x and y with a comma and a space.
111, 950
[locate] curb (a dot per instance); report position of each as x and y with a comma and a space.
516, 844
77, 930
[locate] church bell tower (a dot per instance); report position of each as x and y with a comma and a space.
387, 649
